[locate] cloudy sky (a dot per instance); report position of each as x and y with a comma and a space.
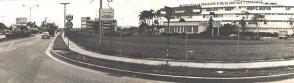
126, 11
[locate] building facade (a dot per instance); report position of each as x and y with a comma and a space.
276, 17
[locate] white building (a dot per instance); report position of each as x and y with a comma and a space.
196, 16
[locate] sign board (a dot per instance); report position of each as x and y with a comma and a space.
85, 19
107, 14
21, 20
69, 17
69, 25
107, 24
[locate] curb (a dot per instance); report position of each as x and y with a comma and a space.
82, 64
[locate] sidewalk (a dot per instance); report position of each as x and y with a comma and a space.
251, 65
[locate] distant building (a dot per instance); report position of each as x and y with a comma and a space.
87, 22
21, 20
276, 17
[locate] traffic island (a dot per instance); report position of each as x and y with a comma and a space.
165, 70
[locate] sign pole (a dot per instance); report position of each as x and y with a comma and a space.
100, 23
169, 12
64, 4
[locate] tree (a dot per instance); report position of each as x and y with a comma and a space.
243, 26
182, 20
255, 19
32, 24
2, 27
144, 16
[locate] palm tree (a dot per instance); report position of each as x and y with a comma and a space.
146, 17
255, 19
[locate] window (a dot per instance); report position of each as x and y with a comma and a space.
288, 8
189, 17
195, 29
188, 10
229, 8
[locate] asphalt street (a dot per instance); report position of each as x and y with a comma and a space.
25, 61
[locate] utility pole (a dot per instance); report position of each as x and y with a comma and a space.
30, 8
186, 45
64, 4
100, 23
64, 19
169, 12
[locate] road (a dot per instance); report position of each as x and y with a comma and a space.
25, 61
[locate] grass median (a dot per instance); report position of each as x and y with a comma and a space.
168, 70
198, 50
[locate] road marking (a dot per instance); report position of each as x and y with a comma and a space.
1, 51
11, 44
48, 53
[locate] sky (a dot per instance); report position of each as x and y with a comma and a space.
125, 11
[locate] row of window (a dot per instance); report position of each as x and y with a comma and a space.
231, 2
178, 17
248, 8
191, 29
220, 8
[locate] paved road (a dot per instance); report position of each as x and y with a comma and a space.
25, 61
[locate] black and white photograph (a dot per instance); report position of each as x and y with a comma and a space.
146, 41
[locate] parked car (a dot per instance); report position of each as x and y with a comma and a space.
45, 35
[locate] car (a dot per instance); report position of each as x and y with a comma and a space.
45, 35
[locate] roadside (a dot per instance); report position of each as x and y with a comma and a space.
165, 70
3, 37
198, 50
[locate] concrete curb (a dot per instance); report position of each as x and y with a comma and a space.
57, 56
80, 63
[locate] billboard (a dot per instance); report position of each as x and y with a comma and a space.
21, 20
107, 14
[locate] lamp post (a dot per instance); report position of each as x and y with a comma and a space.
169, 12
30, 8
64, 5
186, 45
100, 23
64, 19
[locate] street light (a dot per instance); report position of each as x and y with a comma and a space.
64, 19
31, 7
64, 4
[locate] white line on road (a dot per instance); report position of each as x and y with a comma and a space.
11, 44
52, 57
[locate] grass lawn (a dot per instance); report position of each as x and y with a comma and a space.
205, 50
60, 48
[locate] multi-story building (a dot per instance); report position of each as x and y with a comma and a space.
276, 17
87, 22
